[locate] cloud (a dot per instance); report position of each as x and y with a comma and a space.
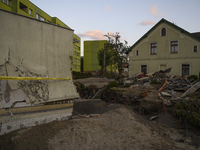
147, 22
154, 11
107, 7
97, 35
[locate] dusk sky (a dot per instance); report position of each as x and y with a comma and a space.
91, 19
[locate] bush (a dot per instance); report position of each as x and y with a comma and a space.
113, 84
190, 110
192, 78
79, 86
126, 85
81, 75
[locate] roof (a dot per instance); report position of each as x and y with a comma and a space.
194, 35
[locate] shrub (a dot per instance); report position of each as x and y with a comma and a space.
79, 86
190, 110
192, 78
113, 84
126, 85
81, 75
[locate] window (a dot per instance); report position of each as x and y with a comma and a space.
144, 69
42, 19
163, 32
153, 50
7, 2
30, 11
185, 70
37, 16
137, 53
195, 49
23, 7
174, 46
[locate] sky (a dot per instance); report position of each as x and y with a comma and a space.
92, 19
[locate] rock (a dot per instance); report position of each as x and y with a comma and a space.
153, 117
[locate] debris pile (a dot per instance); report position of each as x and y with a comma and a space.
147, 93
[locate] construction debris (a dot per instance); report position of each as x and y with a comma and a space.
86, 116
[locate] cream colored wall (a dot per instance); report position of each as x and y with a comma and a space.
185, 53
33, 48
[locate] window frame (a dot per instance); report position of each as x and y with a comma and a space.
174, 47
37, 16
30, 11
141, 68
42, 18
7, 2
153, 49
194, 48
137, 53
165, 32
185, 69
23, 7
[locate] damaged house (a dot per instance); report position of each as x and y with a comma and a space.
166, 45
42, 52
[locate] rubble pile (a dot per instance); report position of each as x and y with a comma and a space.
148, 93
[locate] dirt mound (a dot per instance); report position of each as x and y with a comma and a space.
118, 128
99, 82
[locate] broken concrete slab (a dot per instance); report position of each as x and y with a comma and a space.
194, 88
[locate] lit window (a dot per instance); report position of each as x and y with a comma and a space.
153, 50
42, 19
174, 46
37, 16
185, 70
30, 11
195, 49
144, 69
23, 7
163, 32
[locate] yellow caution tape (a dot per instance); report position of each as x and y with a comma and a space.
31, 78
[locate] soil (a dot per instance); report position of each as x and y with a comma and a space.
118, 127
123, 123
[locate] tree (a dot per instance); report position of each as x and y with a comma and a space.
100, 56
119, 50
114, 52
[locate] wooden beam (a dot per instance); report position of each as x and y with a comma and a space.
20, 110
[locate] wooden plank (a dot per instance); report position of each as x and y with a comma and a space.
20, 110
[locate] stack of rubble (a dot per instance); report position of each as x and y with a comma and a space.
170, 87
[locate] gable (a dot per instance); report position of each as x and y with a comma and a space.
156, 27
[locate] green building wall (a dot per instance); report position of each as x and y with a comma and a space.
76, 56
23, 7
91, 49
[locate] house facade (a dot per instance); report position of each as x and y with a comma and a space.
27, 8
166, 46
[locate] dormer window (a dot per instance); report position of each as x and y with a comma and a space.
195, 48
163, 32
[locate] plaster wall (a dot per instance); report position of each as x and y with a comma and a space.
185, 53
32, 48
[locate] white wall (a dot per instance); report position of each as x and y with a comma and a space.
32, 48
